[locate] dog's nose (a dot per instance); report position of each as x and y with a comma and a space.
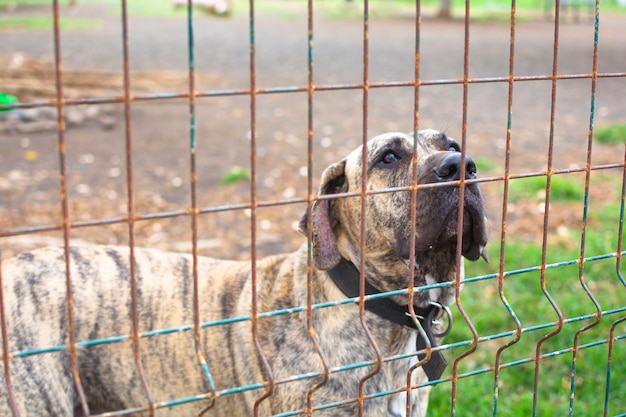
450, 168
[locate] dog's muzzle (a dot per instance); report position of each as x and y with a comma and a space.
438, 226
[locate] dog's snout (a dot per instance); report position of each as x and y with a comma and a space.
449, 168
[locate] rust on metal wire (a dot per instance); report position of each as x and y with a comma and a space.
363, 197
131, 212
505, 198
309, 229
193, 180
460, 214
65, 212
319, 87
413, 217
270, 383
581, 259
280, 202
544, 244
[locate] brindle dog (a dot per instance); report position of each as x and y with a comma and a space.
36, 308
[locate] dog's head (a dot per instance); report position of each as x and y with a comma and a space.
336, 223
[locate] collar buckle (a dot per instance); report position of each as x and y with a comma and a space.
442, 319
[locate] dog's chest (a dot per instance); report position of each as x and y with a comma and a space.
397, 404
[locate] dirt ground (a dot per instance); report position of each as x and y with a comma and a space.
160, 132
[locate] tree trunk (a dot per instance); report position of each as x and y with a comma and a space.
445, 10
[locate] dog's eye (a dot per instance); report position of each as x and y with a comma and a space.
454, 147
389, 158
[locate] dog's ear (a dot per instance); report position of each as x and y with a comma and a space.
325, 251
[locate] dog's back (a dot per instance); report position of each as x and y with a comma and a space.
35, 304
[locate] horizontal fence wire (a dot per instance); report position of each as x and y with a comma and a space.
284, 202
461, 351
304, 89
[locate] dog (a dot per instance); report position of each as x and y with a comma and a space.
308, 357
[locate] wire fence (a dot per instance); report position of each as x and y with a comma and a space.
533, 338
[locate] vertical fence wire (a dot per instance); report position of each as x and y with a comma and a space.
253, 220
309, 229
609, 362
581, 259
363, 225
505, 198
460, 214
618, 271
618, 254
546, 218
71, 330
413, 217
6, 355
193, 176
131, 212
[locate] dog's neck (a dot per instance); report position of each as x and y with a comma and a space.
387, 272
347, 278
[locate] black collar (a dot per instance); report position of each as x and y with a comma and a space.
347, 278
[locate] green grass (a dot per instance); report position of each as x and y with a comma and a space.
484, 10
134, 7
7, 4
611, 134
148, 8
523, 292
41, 22
562, 189
485, 165
481, 10
41, 18
478, 7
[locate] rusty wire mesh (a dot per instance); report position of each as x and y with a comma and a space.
460, 351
